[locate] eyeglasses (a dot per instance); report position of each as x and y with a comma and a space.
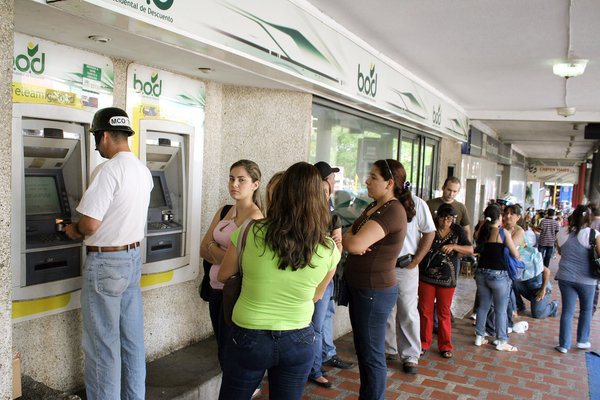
447, 217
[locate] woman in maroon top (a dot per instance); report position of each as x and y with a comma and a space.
373, 243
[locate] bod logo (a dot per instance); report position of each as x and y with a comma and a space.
162, 4
29, 63
367, 84
148, 88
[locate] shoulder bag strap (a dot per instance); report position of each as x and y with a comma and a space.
242, 243
225, 210
592, 238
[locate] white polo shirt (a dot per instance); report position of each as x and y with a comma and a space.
118, 196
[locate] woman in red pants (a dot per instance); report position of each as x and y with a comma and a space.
438, 276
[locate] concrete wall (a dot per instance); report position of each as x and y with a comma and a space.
449, 155
6, 54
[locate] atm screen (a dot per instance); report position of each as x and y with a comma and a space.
41, 195
157, 196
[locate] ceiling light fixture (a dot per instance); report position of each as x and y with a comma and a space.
565, 111
99, 39
569, 68
205, 70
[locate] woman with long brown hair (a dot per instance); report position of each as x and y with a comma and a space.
287, 262
373, 243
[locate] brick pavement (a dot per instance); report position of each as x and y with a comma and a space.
536, 371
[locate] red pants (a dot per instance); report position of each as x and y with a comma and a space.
443, 298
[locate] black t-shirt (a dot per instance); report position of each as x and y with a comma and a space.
441, 269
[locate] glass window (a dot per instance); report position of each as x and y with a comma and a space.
352, 142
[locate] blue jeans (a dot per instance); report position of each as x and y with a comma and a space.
329, 349
528, 289
220, 328
547, 253
369, 310
113, 326
570, 292
318, 322
493, 285
286, 355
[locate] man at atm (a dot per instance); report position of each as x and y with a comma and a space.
113, 216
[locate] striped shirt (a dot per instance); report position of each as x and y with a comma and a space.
549, 227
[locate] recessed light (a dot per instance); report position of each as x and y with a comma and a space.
99, 39
205, 70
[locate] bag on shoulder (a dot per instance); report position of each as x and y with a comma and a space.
233, 285
595, 261
533, 261
514, 267
204, 288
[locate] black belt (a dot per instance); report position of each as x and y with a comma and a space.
108, 249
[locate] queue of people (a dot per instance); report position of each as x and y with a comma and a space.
399, 249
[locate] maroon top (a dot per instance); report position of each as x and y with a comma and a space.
376, 269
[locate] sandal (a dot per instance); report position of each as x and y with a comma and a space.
506, 347
446, 354
423, 351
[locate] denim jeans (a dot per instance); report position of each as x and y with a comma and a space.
369, 310
286, 355
318, 322
570, 292
113, 326
547, 253
493, 286
528, 289
329, 349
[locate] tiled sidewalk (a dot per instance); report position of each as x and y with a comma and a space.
536, 371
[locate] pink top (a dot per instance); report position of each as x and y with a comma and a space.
221, 235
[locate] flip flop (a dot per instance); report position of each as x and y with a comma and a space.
446, 354
506, 347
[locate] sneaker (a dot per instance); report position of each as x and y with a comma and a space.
473, 317
509, 330
391, 357
479, 340
338, 363
554, 308
584, 346
410, 368
560, 349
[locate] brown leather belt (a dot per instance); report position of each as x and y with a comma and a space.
108, 249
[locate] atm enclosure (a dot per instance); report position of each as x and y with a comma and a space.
48, 177
165, 151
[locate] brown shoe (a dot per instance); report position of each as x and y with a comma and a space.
410, 368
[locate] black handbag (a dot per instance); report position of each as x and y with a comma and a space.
233, 285
595, 257
204, 288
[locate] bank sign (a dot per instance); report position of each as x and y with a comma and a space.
156, 9
45, 72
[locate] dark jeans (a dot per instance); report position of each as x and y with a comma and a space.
547, 253
221, 329
286, 355
369, 310
528, 289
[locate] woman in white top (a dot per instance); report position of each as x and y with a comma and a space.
244, 182
575, 279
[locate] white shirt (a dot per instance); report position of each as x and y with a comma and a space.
421, 223
118, 196
583, 237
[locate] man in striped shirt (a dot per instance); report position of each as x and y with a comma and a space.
548, 229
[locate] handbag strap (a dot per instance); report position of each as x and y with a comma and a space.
242, 243
592, 238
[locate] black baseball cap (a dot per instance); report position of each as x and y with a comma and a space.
325, 169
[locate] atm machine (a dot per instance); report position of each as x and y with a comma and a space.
166, 157
49, 177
